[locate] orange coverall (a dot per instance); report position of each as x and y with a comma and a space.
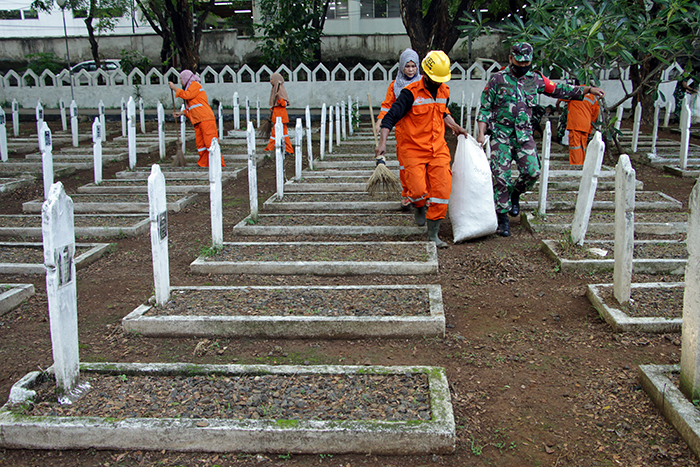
579, 118
386, 105
280, 110
202, 117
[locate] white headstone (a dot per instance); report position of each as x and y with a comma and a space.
59, 259
461, 115
655, 130
46, 158
247, 109
342, 113
142, 116
3, 136
587, 188
544, 174
469, 115
158, 214
39, 113
618, 115
131, 131
475, 131
667, 114
103, 125
62, 110
685, 130
690, 333
337, 124
257, 106
15, 118
74, 122
298, 134
322, 149
183, 141
161, 130
279, 157
635, 126
252, 172
97, 150
309, 150
330, 130
350, 122
123, 113
625, 179
236, 112
221, 121
215, 195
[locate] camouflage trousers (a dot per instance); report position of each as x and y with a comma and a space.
503, 152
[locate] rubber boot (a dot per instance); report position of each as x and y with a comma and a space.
433, 228
514, 203
419, 214
503, 229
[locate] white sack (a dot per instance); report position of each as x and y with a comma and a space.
695, 109
472, 208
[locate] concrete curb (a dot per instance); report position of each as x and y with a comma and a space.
367, 164
11, 184
652, 228
246, 227
121, 186
58, 172
665, 203
690, 171
140, 225
619, 321
414, 437
106, 207
639, 266
11, 298
179, 172
294, 327
95, 252
273, 205
322, 268
678, 410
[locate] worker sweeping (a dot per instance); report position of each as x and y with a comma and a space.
279, 100
422, 109
198, 111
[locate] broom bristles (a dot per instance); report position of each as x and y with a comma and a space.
265, 129
383, 183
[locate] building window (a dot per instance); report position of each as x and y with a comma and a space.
379, 9
30, 14
10, 14
337, 9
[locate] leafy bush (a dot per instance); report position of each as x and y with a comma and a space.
132, 59
39, 62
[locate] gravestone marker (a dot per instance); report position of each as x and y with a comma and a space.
635, 126
544, 175
161, 130
252, 172
625, 178
15, 118
142, 116
690, 332
330, 129
124, 122
298, 132
74, 123
221, 121
257, 106
337, 124
469, 115
587, 188
62, 110
685, 130
342, 113
46, 158
182, 130
322, 148
236, 112
667, 113
158, 214
39, 113
350, 126
618, 115
97, 150
476, 116
103, 119
655, 131
247, 109
131, 131
309, 150
279, 157
3, 137
215, 195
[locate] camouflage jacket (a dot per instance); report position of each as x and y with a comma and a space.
507, 101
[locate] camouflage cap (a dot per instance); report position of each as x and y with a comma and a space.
521, 52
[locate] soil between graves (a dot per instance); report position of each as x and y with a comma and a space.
536, 377
648, 302
323, 253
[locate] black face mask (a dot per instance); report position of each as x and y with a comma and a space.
520, 70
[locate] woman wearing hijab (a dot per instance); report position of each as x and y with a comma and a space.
278, 104
408, 73
198, 111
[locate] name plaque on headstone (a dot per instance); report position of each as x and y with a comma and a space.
2, 118
63, 257
97, 131
41, 114
47, 139
163, 225
72, 112
15, 107
62, 104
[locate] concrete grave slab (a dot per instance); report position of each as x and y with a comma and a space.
192, 172
86, 225
379, 437
353, 165
690, 171
603, 223
12, 295
83, 157
319, 201
88, 254
36, 172
326, 184
139, 185
293, 322
604, 200
114, 204
424, 262
330, 224
620, 321
640, 265
658, 382
11, 184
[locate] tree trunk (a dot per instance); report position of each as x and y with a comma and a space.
91, 33
436, 30
639, 74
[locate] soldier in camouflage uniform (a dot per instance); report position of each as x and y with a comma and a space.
506, 110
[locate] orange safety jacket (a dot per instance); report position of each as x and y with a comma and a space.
388, 100
582, 113
196, 103
423, 126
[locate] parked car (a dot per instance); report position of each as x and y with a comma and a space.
89, 65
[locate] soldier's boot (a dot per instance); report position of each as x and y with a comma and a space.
515, 203
433, 227
503, 229
419, 215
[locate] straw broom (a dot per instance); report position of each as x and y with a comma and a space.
179, 159
265, 128
383, 183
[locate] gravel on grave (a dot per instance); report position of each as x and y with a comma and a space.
648, 302
295, 302
28, 255
640, 197
392, 220
289, 397
79, 221
609, 217
320, 252
651, 250
349, 197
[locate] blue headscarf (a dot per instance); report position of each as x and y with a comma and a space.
408, 55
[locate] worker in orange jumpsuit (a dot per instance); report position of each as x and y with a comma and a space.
422, 108
408, 73
279, 100
198, 111
581, 115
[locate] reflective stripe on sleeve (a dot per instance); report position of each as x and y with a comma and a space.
439, 200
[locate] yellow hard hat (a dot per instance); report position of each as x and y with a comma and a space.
437, 66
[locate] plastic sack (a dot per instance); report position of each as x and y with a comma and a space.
472, 208
695, 108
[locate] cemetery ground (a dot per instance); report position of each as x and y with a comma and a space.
537, 378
